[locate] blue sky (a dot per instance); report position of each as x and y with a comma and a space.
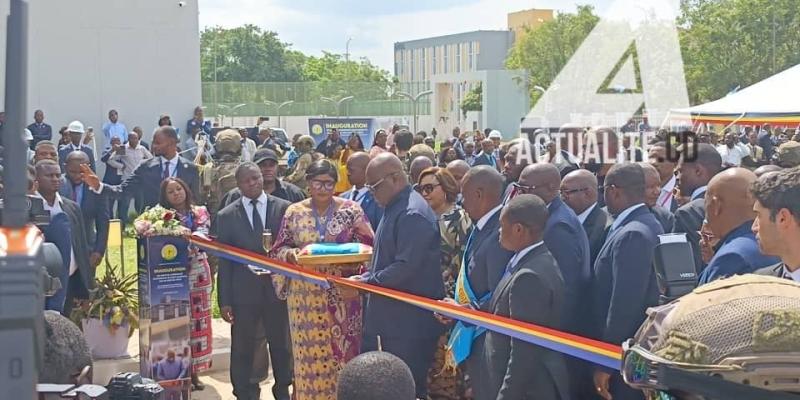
374, 25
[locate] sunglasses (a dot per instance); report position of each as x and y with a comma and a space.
523, 188
425, 189
320, 185
372, 188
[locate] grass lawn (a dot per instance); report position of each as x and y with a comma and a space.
130, 265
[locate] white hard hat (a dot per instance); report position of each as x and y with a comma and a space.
27, 135
495, 134
76, 126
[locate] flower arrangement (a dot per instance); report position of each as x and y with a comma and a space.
159, 221
114, 301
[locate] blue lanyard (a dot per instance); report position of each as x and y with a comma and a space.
188, 220
321, 228
464, 257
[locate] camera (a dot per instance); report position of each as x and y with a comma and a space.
37, 215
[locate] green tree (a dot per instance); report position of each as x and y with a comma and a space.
730, 43
473, 100
247, 54
544, 51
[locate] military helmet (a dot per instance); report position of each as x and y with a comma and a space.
228, 141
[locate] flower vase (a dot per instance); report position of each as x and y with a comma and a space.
103, 343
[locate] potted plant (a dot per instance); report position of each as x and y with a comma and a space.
110, 315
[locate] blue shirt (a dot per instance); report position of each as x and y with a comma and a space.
736, 254
116, 129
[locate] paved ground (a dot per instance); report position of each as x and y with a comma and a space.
218, 387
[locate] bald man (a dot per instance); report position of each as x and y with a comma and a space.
564, 236
418, 164
406, 257
652, 190
729, 205
458, 168
357, 175
579, 192
512, 167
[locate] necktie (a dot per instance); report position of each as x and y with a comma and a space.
75, 193
165, 173
258, 226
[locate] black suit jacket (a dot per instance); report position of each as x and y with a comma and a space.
146, 179
596, 226
80, 247
486, 259
776, 270
624, 280
664, 217
94, 208
689, 219
237, 284
509, 368
64, 151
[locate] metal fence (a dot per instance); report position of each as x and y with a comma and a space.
312, 98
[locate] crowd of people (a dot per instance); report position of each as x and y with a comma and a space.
565, 241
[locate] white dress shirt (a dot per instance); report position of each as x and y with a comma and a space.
54, 210
262, 208
665, 199
697, 192
520, 254
585, 214
485, 219
128, 162
358, 195
733, 155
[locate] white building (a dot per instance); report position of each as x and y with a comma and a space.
85, 57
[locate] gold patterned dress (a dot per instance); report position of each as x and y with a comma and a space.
325, 323
454, 227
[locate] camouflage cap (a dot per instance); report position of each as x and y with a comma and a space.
789, 154
228, 141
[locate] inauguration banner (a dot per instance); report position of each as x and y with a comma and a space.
165, 313
365, 128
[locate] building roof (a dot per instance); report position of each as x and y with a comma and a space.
452, 38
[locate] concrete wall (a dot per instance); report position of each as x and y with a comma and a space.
140, 57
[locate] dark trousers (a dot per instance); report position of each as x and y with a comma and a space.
272, 319
75, 290
417, 353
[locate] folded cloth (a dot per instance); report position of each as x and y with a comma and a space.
328, 249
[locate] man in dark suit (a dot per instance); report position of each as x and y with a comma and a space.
486, 157
80, 272
729, 212
624, 283
579, 192
330, 142
406, 257
146, 179
248, 302
76, 132
777, 223
39, 129
693, 176
652, 184
357, 175
94, 207
565, 239
531, 290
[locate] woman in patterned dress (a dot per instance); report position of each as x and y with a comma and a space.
325, 323
175, 194
440, 190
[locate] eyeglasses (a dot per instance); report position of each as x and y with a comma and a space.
523, 188
426, 189
320, 185
372, 188
567, 192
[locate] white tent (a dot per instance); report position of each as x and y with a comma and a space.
774, 100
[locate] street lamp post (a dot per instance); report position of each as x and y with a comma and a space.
338, 103
231, 109
278, 107
414, 101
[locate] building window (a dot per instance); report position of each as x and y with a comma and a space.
434, 50
399, 64
412, 66
424, 66
446, 58
458, 57
471, 57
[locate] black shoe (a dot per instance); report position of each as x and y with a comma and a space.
281, 393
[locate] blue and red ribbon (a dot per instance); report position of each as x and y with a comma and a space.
605, 354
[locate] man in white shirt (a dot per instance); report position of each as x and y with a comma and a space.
732, 151
665, 164
248, 146
81, 273
777, 223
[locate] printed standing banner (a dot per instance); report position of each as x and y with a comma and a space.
318, 128
165, 314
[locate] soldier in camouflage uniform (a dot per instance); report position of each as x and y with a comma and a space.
219, 176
